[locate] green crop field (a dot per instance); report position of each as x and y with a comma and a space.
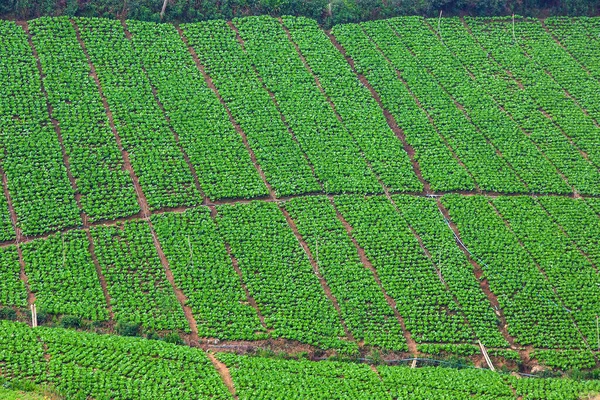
298, 211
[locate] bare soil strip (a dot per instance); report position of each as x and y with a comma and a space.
236, 125
56, 125
223, 372
412, 345
483, 282
142, 201
541, 270
272, 96
315, 266
388, 116
129, 36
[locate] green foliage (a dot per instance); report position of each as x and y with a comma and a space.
360, 113
279, 275
136, 280
215, 149
62, 274
565, 360
332, 151
362, 304
37, 180
130, 329
406, 273
94, 158
8, 313
70, 321
203, 270
12, 288
163, 174
232, 72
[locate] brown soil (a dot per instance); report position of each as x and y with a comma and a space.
236, 125
224, 373
388, 116
315, 266
412, 345
168, 119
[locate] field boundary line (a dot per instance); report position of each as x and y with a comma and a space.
223, 372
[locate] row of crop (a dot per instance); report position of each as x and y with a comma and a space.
533, 313
362, 303
425, 218
359, 111
62, 275
334, 154
231, 70
522, 105
579, 222
31, 156
489, 170
12, 288
574, 278
437, 164
529, 163
255, 377
215, 149
279, 275
94, 158
579, 37
84, 365
407, 275
544, 92
204, 272
155, 157
549, 55
135, 278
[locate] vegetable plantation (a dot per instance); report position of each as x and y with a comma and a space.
393, 189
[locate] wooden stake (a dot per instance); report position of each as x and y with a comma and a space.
513, 29
33, 316
486, 356
414, 363
440, 26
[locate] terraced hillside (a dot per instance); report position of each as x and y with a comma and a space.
410, 186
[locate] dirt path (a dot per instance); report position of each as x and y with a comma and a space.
317, 272
236, 125
545, 275
274, 99
191, 167
101, 276
412, 345
223, 372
